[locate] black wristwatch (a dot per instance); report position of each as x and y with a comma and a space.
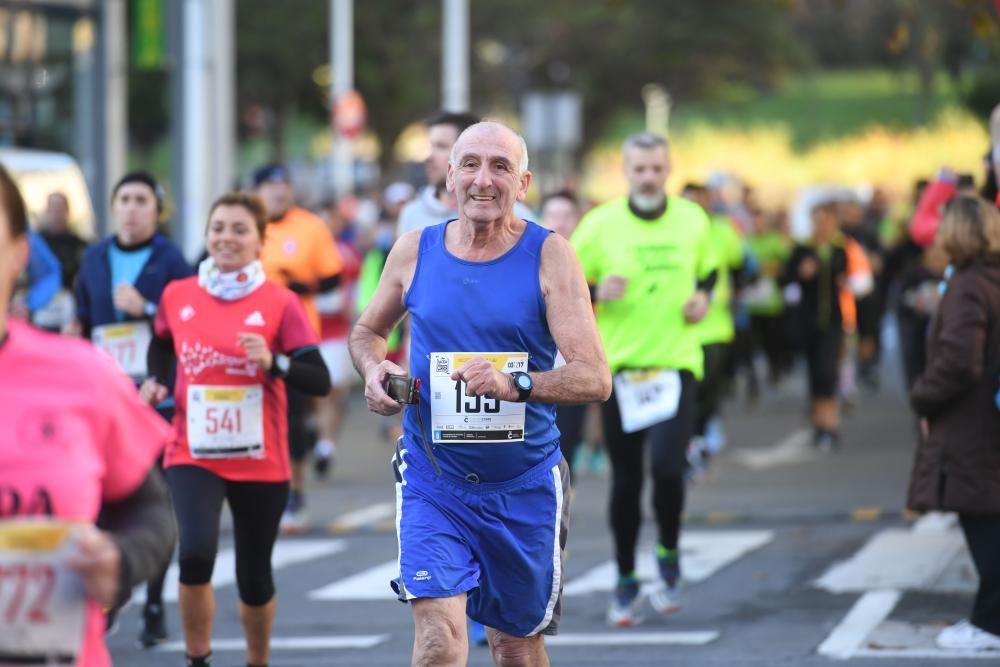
524, 384
280, 365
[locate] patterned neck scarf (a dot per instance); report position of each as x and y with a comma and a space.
230, 286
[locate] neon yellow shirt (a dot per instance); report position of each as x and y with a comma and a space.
717, 327
772, 250
662, 261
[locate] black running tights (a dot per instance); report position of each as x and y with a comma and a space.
668, 443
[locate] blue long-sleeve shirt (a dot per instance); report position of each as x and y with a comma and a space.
94, 288
44, 274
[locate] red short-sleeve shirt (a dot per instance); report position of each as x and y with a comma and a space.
205, 332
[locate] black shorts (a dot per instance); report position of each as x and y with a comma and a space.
823, 359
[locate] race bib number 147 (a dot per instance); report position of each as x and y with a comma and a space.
646, 397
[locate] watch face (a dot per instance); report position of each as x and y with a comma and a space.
524, 382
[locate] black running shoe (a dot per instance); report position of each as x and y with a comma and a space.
154, 626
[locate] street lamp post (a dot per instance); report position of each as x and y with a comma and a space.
455, 56
342, 69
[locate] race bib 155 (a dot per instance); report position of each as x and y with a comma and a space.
460, 419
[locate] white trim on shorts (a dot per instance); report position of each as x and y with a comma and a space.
400, 467
556, 557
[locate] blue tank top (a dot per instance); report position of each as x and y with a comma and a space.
494, 306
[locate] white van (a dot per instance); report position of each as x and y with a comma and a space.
40, 173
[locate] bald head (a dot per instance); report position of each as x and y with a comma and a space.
488, 173
492, 130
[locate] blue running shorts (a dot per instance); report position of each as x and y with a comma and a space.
502, 543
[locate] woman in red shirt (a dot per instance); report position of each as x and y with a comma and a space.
237, 340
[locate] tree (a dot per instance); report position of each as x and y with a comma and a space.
609, 50
606, 49
278, 47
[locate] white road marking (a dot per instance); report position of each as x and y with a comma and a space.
866, 614
703, 553
793, 448
925, 653
286, 552
694, 638
935, 521
916, 559
371, 584
290, 643
366, 516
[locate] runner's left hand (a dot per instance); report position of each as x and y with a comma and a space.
255, 347
483, 379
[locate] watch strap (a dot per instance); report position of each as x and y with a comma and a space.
280, 365
522, 394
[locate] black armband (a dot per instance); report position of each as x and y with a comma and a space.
307, 372
161, 359
324, 285
707, 284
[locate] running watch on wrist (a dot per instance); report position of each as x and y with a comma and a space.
149, 309
280, 365
524, 384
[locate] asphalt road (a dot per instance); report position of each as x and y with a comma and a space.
791, 557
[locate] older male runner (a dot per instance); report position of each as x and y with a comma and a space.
481, 483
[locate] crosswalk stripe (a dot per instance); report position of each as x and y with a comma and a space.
866, 614
290, 643
905, 559
703, 553
924, 654
371, 584
286, 552
373, 515
693, 638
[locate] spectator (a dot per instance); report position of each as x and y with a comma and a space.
956, 466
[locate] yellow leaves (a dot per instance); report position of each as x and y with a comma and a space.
765, 157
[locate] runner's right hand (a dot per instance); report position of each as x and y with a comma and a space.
808, 268
98, 562
152, 392
611, 288
380, 402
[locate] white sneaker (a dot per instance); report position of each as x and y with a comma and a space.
665, 599
294, 522
623, 612
964, 636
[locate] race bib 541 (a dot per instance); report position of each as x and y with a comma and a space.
225, 422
